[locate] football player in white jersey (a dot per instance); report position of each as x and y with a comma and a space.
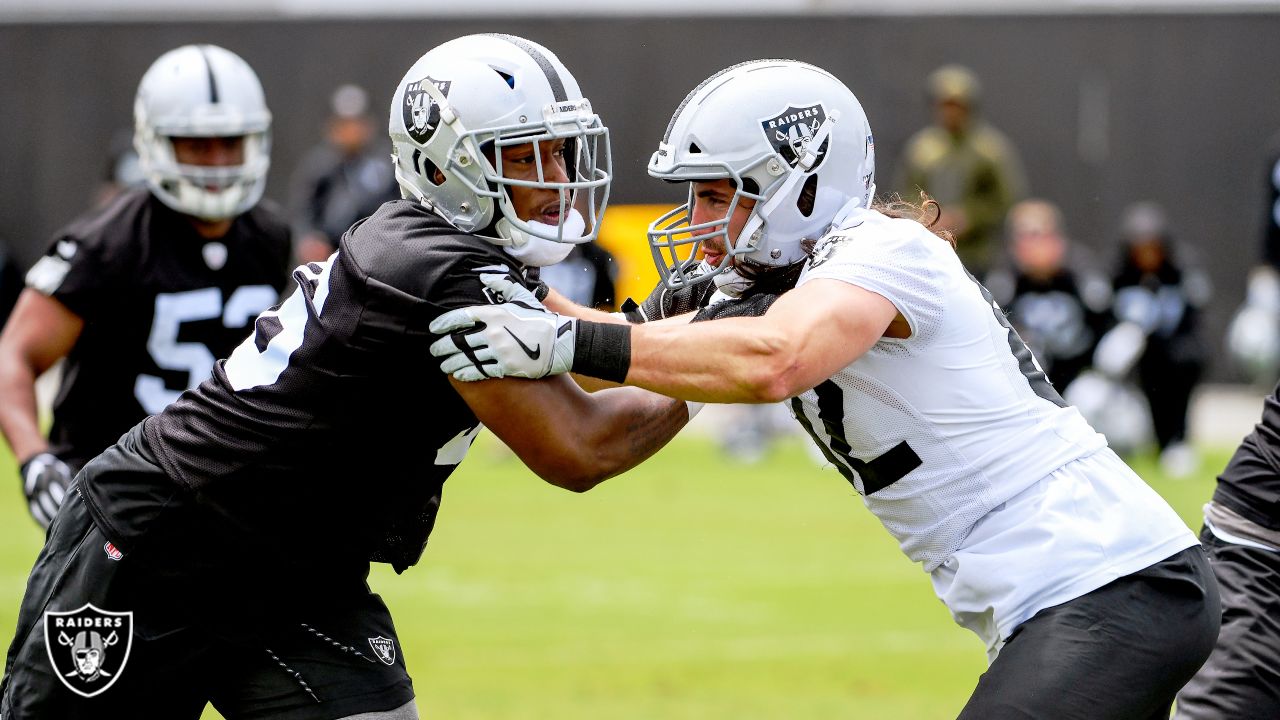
1094, 599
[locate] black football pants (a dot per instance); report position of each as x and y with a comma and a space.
1120, 652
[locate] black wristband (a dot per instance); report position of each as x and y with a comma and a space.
541, 291
602, 350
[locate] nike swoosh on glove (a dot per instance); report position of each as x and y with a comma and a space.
515, 338
45, 480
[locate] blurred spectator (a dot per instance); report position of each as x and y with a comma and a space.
969, 167
1253, 337
341, 180
1056, 300
122, 171
586, 277
1158, 300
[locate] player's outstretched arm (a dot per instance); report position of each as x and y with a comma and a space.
806, 336
570, 438
557, 303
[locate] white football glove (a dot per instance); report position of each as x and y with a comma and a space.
45, 480
516, 338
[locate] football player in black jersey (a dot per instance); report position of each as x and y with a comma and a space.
1241, 531
235, 528
143, 295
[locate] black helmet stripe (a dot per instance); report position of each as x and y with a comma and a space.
213, 82
553, 77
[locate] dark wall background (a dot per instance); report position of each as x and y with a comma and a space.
1106, 109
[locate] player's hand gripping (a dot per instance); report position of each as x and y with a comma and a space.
45, 480
516, 338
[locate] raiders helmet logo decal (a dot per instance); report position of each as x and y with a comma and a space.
88, 647
421, 113
791, 130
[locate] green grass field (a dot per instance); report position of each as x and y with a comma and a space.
687, 589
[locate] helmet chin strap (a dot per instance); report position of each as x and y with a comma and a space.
753, 231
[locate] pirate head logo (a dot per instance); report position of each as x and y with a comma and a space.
88, 647
825, 247
790, 131
384, 648
421, 113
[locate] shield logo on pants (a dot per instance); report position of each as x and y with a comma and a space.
88, 647
384, 648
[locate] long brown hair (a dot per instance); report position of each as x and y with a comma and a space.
927, 212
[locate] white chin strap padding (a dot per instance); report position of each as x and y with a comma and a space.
537, 251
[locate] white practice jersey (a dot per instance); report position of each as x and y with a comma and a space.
937, 430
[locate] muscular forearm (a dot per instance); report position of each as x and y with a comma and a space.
558, 303
18, 416
626, 427
727, 361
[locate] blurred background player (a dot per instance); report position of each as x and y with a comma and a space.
340, 180
1055, 298
122, 170
143, 294
1159, 297
964, 163
1241, 533
1253, 336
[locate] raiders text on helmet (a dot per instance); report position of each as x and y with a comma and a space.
464, 101
780, 130
202, 91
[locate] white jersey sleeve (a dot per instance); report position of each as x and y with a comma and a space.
891, 258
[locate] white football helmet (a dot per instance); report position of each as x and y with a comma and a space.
464, 101
202, 91
773, 127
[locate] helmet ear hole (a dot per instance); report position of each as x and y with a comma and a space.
808, 196
506, 77
693, 148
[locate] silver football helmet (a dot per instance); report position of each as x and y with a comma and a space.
464, 101
779, 129
202, 91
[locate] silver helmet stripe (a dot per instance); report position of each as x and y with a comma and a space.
666, 137
553, 77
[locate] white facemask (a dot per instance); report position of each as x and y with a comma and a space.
537, 251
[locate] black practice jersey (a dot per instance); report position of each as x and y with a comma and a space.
160, 304
1250, 484
331, 430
